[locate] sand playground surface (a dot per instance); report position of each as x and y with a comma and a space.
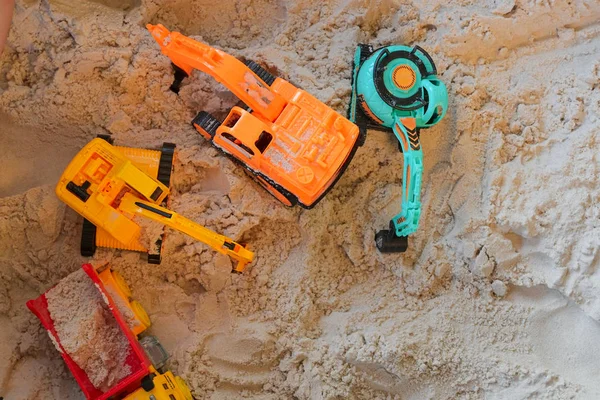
498, 296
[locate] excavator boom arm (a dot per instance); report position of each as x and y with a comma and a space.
220, 243
407, 221
189, 54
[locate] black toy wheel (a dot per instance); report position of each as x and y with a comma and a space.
260, 71
387, 242
165, 164
206, 124
88, 239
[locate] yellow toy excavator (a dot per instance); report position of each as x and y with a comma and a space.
106, 187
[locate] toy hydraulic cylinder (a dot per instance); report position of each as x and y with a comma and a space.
220, 243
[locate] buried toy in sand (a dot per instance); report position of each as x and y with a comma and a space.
396, 88
94, 324
113, 189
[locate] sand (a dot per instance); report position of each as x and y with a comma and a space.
88, 331
498, 296
150, 232
127, 313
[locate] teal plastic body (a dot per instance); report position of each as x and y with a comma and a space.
384, 99
434, 99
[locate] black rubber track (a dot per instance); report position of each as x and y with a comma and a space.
108, 138
165, 167
260, 71
284, 192
88, 239
207, 122
165, 164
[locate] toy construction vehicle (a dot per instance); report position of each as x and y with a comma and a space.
146, 359
395, 88
291, 143
107, 188
155, 163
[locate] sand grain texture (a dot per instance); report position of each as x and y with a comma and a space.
88, 331
498, 295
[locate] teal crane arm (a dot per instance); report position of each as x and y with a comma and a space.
407, 221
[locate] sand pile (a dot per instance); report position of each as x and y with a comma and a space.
126, 312
88, 331
150, 232
498, 295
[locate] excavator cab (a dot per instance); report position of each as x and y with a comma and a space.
243, 135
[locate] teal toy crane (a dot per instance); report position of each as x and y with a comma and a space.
396, 88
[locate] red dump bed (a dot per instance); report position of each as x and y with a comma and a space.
137, 359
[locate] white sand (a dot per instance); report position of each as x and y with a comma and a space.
88, 331
510, 196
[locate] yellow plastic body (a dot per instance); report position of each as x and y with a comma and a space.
147, 161
117, 286
117, 191
220, 243
166, 387
110, 175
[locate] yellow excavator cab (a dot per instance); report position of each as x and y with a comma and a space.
96, 179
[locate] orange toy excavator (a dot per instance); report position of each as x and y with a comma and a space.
290, 142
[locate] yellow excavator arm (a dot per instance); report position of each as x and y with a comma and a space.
222, 244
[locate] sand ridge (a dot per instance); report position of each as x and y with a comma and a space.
504, 265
